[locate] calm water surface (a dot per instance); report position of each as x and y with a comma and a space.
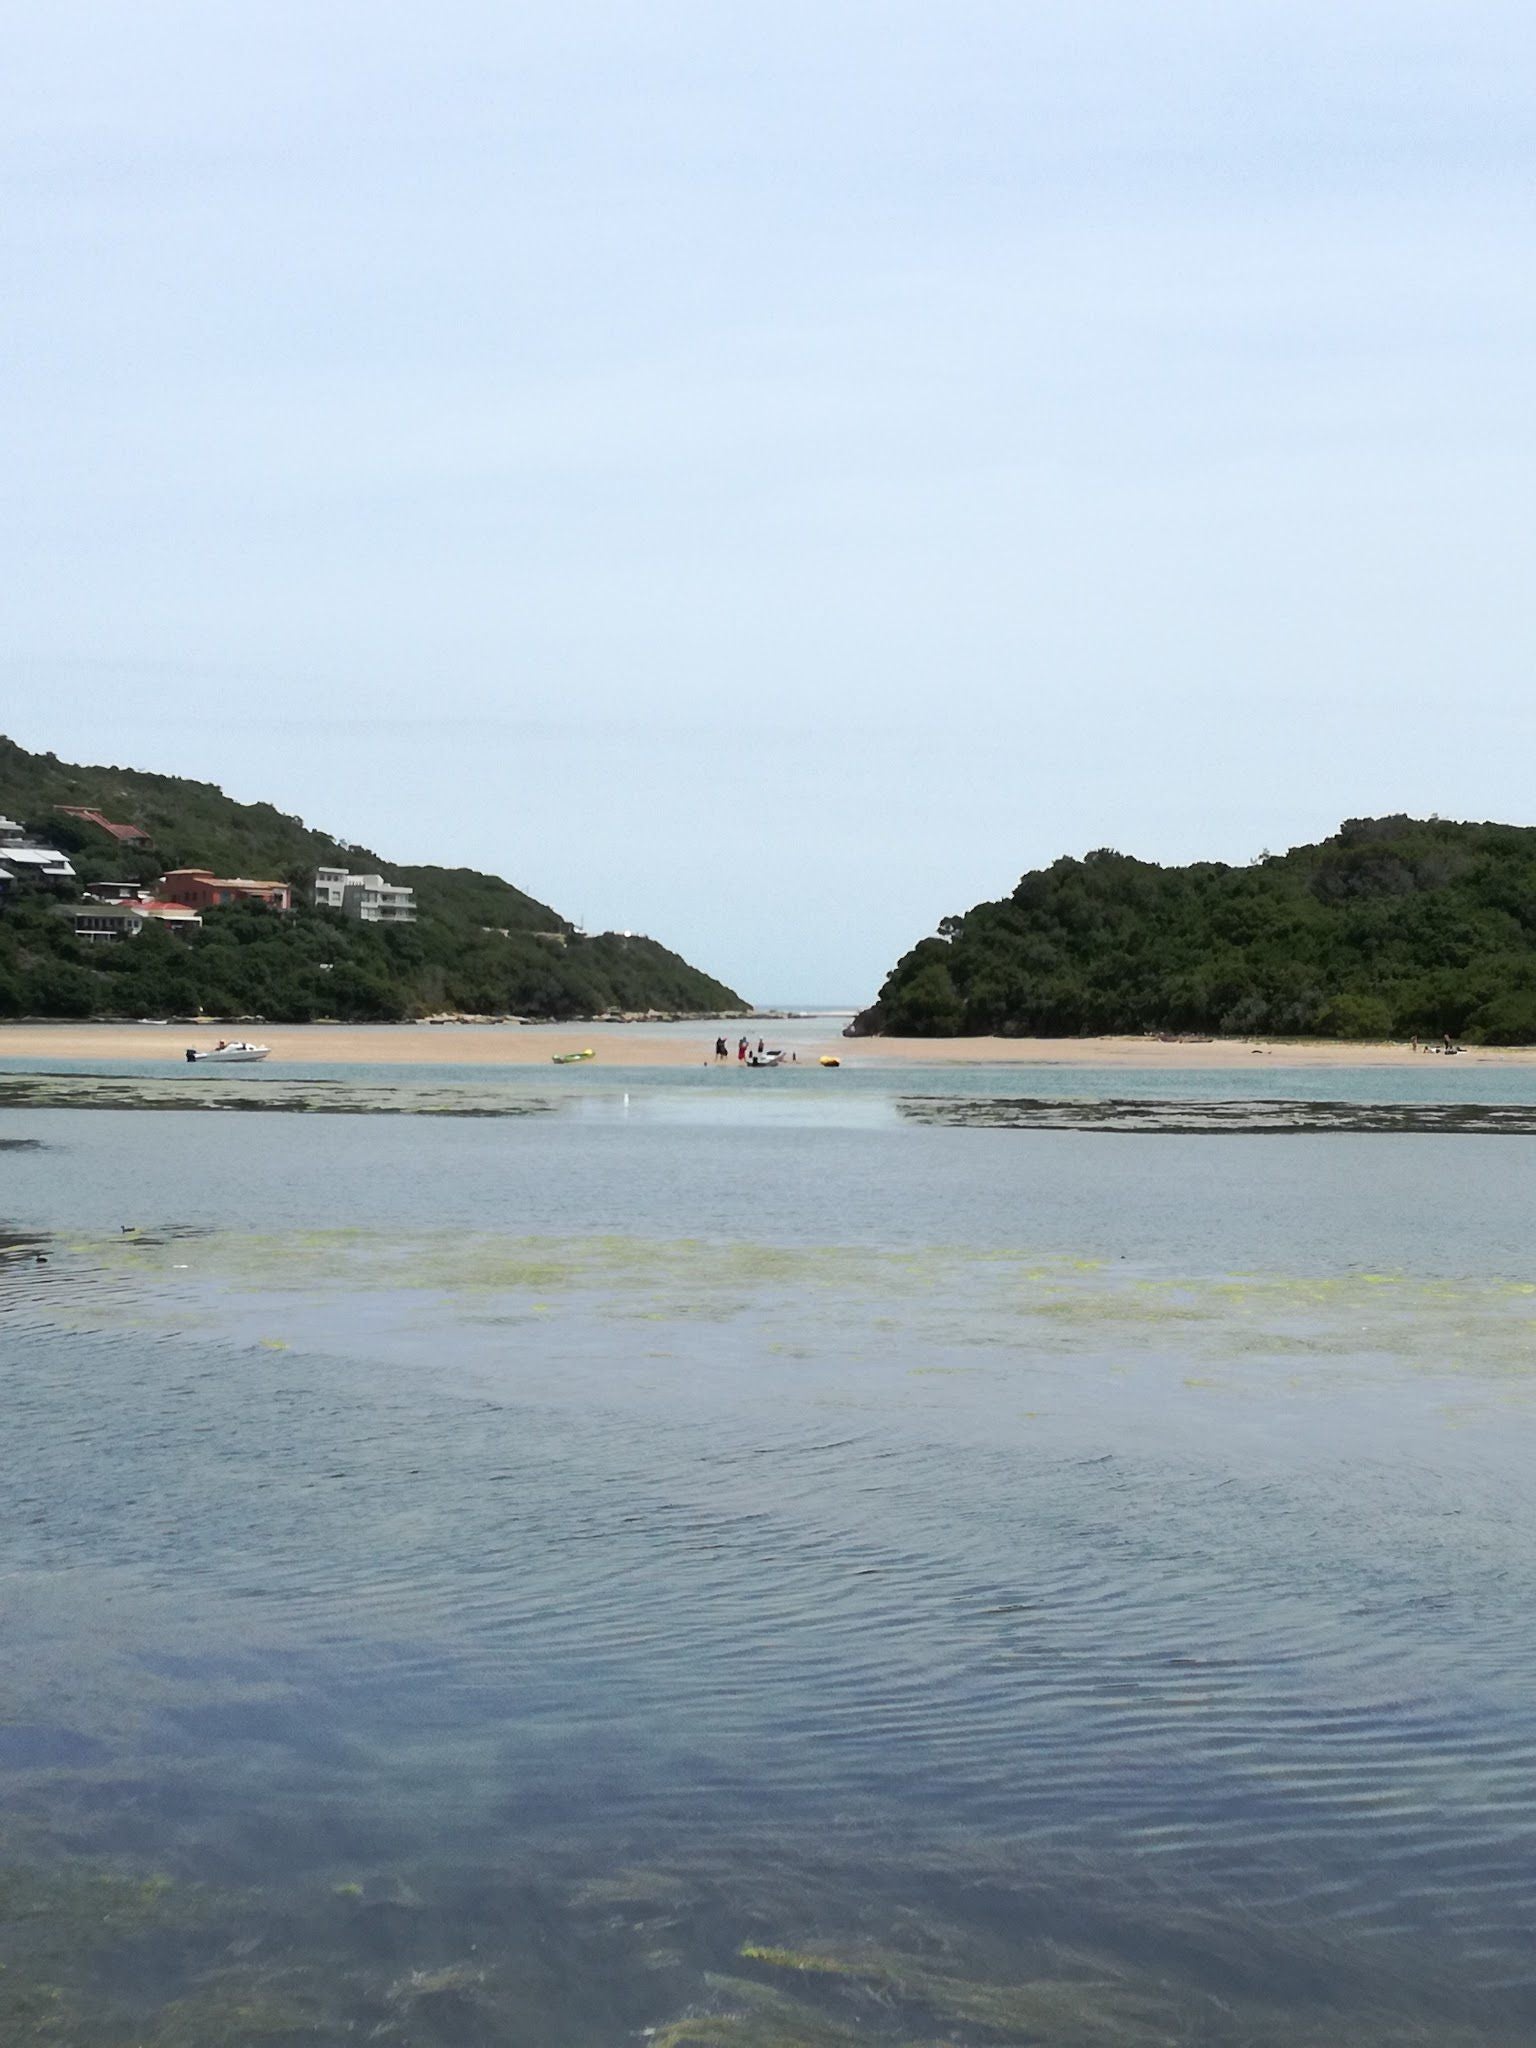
596, 1559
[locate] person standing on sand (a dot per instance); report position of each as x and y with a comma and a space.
741, 1050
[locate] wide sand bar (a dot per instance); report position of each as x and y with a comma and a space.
684, 1045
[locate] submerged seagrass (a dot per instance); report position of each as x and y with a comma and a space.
582, 1578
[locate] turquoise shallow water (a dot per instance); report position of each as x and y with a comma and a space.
763, 1569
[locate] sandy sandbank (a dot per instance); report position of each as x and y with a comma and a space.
1174, 1053
685, 1045
449, 1045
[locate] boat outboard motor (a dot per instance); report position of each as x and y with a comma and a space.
191, 1053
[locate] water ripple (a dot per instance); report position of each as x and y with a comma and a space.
527, 1569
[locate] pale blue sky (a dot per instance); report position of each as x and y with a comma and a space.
767, 476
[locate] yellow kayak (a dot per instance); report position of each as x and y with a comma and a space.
827, 1060
567, 1059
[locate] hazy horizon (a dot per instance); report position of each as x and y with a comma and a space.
770, 481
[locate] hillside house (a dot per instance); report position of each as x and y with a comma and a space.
124, 914
199, 889
367, 897
125, 835
27, 861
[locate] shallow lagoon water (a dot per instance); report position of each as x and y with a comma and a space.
764, 1575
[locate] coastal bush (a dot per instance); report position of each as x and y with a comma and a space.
1393, 926
1357, 1016
60, 989
928, 1004
1508, 1019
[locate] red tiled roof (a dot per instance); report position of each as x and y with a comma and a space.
105, 824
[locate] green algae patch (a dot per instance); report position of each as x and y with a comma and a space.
236, 2017
71, 1904
449, 2002
503, 1961
1075, 2013
807, 1961
921, 1309
1068, 2012
746, 2014
201, 2024
33, 2014
61, 1926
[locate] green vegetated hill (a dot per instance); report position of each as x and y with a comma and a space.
479, 945
1393, 926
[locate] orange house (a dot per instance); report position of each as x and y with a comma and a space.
201, 890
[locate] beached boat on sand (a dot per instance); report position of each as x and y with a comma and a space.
234, 1050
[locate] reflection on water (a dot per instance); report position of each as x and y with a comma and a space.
425, 1632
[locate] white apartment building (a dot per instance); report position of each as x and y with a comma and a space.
29, 861
368, 897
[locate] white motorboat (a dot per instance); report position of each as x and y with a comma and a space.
231, 1050
765, 1059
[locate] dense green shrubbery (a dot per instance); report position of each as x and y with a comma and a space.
479, 945
251, 962
1393, 926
